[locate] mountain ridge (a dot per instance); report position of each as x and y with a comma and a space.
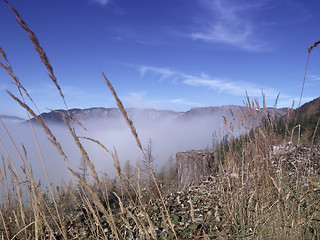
308, 109
10, 117
151, 114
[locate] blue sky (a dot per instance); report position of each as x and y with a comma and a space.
165, 54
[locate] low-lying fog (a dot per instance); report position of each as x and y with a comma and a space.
168, 137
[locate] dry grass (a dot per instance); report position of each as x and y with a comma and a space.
271, 197
255, 196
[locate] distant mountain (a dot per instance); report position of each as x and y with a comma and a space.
308, 109
151, 115
229, 110
80, 114
100, 113
12, 118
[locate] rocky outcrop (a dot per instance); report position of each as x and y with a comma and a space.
193, 167
281, 149
296, 159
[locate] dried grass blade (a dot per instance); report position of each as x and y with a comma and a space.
23, 229
70, 117
124, 113
98, 203
52, 138
134, 132
83, 152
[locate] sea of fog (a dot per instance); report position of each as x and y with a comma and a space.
168, 137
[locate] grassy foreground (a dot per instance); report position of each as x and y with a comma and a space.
259, 192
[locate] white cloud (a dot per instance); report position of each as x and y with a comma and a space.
235, 88
220, 85
185, 102
231, 23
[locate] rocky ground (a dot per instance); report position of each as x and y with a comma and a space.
201, 212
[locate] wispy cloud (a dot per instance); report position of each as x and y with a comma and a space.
235, 88
142, 100
232, 88
101, 2
164, 73
185, 102
2, 87
138, 100
314, 78
231, 23
312, 81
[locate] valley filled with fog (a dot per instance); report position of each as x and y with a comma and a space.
169, 132
167, 137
